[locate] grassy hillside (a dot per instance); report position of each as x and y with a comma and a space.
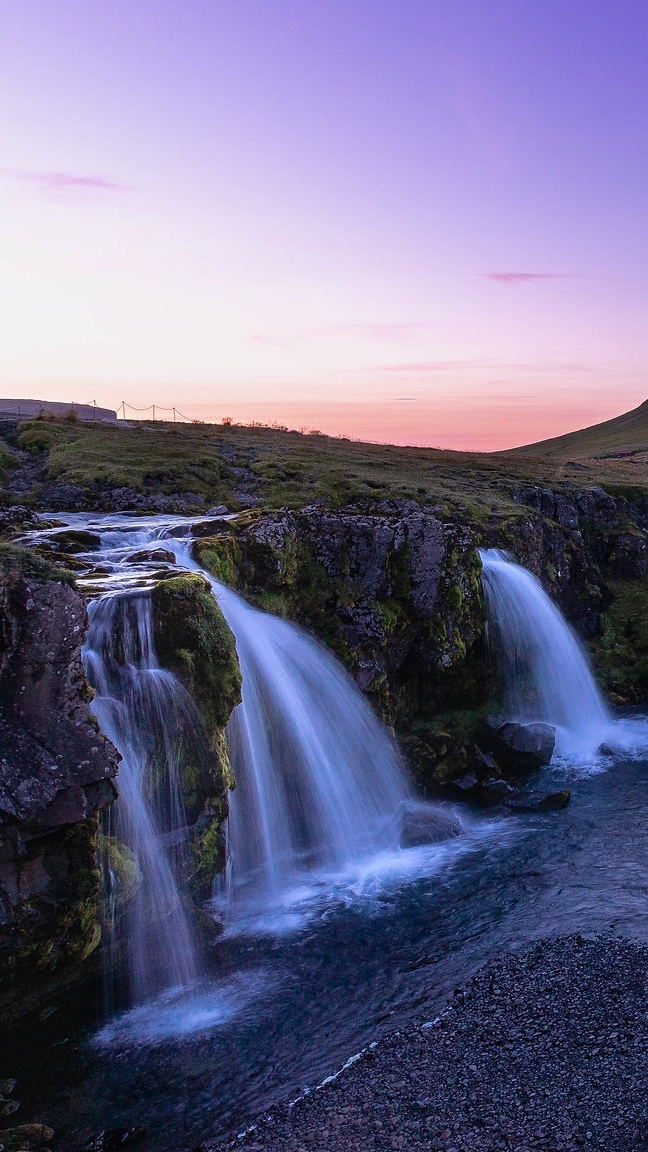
627, 433
246, 465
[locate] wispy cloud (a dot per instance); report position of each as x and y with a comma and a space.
427, 366
527, 277
59, 181
394, 332
270, 343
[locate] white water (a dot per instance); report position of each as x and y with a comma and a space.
320, 785
544, 671
321, 796
149, 717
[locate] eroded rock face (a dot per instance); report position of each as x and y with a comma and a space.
396, 593
56, 774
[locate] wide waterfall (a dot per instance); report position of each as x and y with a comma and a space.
153, 722
543, 669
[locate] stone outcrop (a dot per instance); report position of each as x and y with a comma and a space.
193, 640
395, 593
56, 775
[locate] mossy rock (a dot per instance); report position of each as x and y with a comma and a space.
620, 652
193, 640
118, 859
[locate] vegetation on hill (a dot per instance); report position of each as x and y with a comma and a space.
243, 466
623, 438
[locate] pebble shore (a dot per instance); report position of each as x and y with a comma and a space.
542, 1050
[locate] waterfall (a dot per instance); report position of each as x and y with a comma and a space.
153, 722
318, 779
544, 671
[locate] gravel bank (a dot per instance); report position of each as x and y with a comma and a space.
543, 1050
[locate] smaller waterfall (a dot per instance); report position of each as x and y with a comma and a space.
544, 671
153, 722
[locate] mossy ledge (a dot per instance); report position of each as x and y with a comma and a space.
193, 640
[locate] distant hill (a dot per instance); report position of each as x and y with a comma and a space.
624, 435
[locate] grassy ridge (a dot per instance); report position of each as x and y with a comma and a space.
229, 463
625, 433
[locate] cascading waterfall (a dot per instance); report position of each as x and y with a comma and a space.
319, 781
320, 787
544, 672
153, 722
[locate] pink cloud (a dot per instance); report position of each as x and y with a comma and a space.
527, 277
54, 181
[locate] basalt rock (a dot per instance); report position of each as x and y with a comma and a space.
56, 775
523, 748
395, 593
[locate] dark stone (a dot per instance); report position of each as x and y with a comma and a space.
17, 519
628, 559
210, 528
72, 540
151, 555
425, 824
552, 802
56, 774
522, 748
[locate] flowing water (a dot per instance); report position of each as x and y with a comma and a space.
320, 787
544, 671
152, 720
357, 940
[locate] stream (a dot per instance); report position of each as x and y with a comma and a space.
286, 997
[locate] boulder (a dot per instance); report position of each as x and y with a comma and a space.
426, 824
523, 748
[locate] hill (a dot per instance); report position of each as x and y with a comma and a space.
623, 436
64, 463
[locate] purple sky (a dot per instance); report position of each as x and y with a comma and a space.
418, 221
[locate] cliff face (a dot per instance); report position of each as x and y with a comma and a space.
396, 593
56, 776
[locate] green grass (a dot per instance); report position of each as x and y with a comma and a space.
291, 469
627, 433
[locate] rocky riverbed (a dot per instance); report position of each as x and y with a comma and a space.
546, 1049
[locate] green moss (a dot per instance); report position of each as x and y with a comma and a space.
193, 640
118, 859
620, 651
53, 936
220, 555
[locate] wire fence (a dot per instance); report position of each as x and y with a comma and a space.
91, 410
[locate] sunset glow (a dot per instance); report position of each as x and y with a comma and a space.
411, 222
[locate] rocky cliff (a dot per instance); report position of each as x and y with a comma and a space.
57, 772
396, 592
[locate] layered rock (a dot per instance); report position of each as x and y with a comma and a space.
57, 771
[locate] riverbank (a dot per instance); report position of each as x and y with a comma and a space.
542, 1050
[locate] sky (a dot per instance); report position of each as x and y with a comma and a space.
416, 221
